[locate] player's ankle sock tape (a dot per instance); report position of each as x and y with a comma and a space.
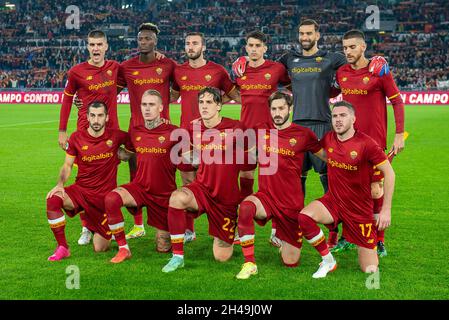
247, 212
113, 202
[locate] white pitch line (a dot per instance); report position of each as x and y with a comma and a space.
26, 123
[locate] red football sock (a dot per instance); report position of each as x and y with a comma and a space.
137, 213
377, 206
313, 234
177, 227
113, 202
83, 220
189, 222
246, 187
56, 219
247, 212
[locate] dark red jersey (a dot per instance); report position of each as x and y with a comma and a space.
368, 93
139, 77
256, 86
189, 81
97, 158
91, 84
288, 146
349, 170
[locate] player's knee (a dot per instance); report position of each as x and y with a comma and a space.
101, 246
290, 260
54, 204
376, 191
222, 255
178, 199
112, 200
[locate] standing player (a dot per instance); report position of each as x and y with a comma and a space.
368, 96
190, 78
215, 190
96, 151
155, 177
139, 74
261, 79
93, 80
276, 199
351, 156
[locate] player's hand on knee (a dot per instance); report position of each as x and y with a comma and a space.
77, 101
55, 190
62, 140
378, 66
383, 219
239, 66
159, 55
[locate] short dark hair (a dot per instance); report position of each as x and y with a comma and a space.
354, 33
346, 104
203, 40
259, 35
277, 95
152, 92
150, 27
309, 22
97, 34
96, 105
213, 91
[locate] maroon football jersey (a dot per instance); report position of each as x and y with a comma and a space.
349, 170
139, 77
256, 86
91, 84
155, 170
284, 187
368, 93
216, 144
97, 158
189, 81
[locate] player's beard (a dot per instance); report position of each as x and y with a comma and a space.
284, 120
96, 127
194, 55
308, 46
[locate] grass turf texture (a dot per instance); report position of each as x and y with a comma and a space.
416, 266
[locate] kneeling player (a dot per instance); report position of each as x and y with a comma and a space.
96, 152
155, 178
215, 190
277, 198
351, 156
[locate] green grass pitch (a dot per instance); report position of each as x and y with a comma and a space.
415, 268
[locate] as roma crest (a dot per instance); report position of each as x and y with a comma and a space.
365, 80
159, 71
293, 141
135, 73
109, 143
243, 78
318, 59
84, 147
109, 72
138, 138
353, 154
267, 76
330, 150
207, 77
89, 78
344, 79
184, 78
161, 139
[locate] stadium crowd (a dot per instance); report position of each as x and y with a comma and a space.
36, 48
